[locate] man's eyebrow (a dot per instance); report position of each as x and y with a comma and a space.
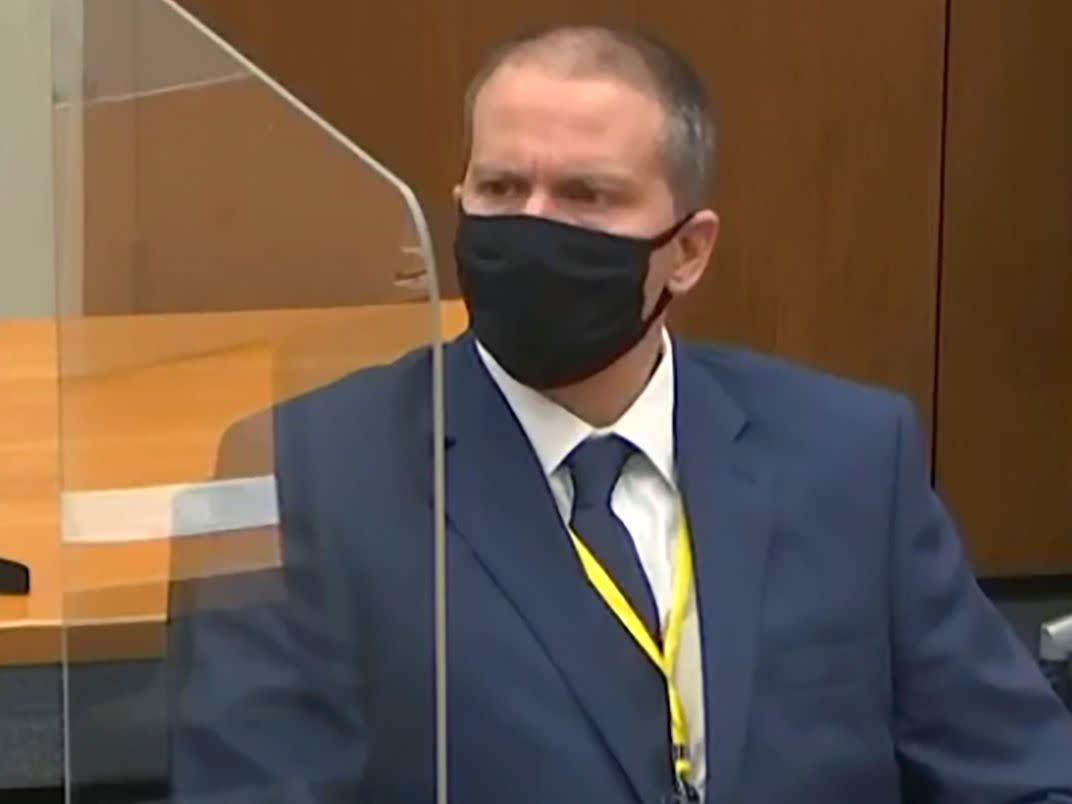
580, 170
484, 170
599, 178
594, 176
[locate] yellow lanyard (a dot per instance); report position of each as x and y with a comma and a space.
665, 659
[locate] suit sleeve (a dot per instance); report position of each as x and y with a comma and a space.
265, 679
974, 719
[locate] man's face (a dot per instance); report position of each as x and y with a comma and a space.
585, 151
581, 151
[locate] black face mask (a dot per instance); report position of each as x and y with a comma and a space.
555, 303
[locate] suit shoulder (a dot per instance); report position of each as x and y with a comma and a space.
775, 390
370, 388
372, 396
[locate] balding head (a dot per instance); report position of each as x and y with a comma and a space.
602, 130
635, 59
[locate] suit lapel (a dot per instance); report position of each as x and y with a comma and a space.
499, 502
727, 492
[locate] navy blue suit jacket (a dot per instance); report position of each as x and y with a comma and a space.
848, 654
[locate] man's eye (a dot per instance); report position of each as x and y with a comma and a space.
498, 188
582, 194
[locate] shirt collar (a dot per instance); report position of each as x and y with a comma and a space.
554, 432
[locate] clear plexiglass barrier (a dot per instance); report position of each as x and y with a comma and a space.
228, 268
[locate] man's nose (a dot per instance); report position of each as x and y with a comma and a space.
538, 204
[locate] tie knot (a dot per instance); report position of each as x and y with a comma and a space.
595, 466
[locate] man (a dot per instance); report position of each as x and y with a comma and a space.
676, 573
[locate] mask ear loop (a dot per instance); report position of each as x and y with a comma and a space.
662, 239
663, 302
666, 296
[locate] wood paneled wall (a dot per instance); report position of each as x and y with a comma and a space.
238, 203
833, 119
830, 136
1004, 413
830, 117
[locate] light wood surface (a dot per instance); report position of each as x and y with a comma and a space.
143, 401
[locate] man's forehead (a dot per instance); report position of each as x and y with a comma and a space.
532, 91
593, 122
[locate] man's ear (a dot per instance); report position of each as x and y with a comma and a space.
457, 193
695, 242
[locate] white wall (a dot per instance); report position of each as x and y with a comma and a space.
27, 286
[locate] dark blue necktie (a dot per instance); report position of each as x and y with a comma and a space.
595, 467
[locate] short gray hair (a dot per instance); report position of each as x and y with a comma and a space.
689, 139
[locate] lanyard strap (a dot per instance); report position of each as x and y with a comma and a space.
664, 658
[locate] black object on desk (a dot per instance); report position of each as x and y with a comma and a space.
14, 578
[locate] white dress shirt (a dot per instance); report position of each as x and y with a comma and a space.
646, 499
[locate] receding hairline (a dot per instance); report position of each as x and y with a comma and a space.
570, 52
635, 59
578, 52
